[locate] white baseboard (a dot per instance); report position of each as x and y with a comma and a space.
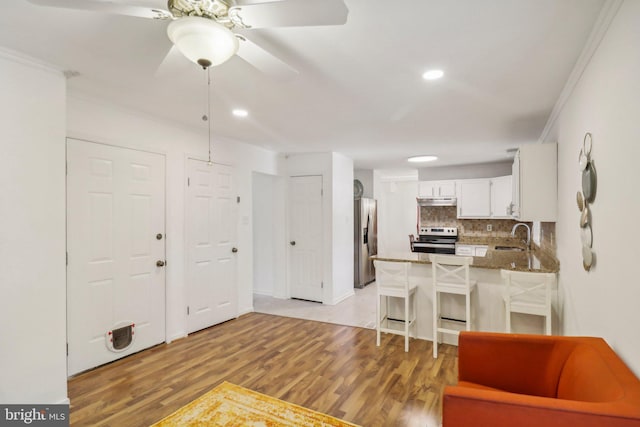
178, 335
245, 311
343, 297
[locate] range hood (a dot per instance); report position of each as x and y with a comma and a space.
437, 201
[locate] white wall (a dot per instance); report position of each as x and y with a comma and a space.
485, 170
96, 121
343, 245
33, 363
606, 102
269, 235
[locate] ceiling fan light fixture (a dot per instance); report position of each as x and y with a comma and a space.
202, 40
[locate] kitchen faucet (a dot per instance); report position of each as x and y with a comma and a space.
528, 241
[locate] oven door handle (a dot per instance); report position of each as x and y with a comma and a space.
434, 245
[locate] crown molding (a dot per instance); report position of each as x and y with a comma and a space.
607, 13
30, 61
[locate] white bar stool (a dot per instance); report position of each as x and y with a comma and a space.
450, 276
392, 280
528, 293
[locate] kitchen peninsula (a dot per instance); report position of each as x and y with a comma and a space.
487, 302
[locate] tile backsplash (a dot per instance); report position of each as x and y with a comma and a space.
446, 216
548, 237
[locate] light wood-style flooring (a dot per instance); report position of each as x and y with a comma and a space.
329, 368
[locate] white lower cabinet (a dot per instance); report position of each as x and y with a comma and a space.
471, 250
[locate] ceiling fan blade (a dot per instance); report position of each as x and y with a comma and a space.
263, 60
174, 64
107, 7
292, 13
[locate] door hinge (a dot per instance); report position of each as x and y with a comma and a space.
321, 285
321, 192
187, 310
188, 182
238, 199
67, 349
66, 168
67, 258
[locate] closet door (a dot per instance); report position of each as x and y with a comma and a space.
211, 245
116, 252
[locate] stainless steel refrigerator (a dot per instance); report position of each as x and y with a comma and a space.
365, 238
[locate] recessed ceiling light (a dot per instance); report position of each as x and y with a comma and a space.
433, 74
421, 159
239, 112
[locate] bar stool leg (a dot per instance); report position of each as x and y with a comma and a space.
436, 316
378, 320
407, 319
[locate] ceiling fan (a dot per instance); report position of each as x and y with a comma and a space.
203, 30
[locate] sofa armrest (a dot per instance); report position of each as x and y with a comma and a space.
526, 364
471, 407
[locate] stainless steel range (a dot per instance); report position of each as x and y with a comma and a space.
436, 240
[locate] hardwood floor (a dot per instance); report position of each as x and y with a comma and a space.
329, 368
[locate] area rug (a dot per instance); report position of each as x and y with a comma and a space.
231, 405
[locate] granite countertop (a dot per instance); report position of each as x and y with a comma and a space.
534, 260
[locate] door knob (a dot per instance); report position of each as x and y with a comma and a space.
234, 250
160, 263
292, 243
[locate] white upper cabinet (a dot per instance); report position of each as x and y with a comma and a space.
535, 183
474, 198
437, 189
501, 196
485, 198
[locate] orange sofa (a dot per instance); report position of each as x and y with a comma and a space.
540, 381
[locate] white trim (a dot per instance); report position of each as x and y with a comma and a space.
342, 298
176, 336
245, 311
29, 61
607, 13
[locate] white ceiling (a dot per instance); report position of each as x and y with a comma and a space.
359, 90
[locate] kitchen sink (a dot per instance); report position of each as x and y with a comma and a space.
509, 248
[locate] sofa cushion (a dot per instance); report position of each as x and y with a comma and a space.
587, 377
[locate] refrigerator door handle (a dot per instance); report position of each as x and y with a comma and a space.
366, 234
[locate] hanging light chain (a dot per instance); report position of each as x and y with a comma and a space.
207, 117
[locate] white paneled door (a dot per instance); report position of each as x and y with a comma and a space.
116, 251
211, 245
305, 237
